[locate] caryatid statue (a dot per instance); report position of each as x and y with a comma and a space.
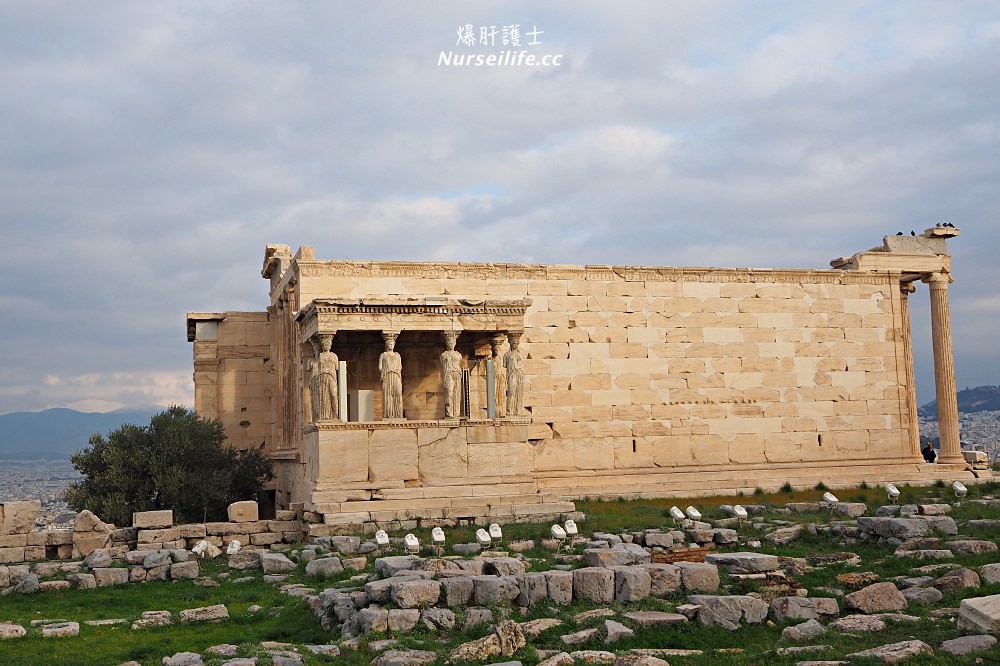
390, 367
451, 376
514, 365
499, 377
323, 382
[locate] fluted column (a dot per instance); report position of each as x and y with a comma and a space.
913, 425
944, 369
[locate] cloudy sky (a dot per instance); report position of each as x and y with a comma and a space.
150, 150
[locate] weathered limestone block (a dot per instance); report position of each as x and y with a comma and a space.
854, 623
475, 616
804, 608
265, 539
402, 619
990, 573
560, 587
622, 554
655, 618
457, 591
664, 578
107, 577
82, 581
153, 619
153, 519
245, 559
699, 577
60, 629
631, 584
533, 588
415, 593
922, 595
19, 517
324, 567
11, 555
658, 540
968, 644
13, 540
215, 613
877, 598
943, 524
98, 558
155, 559
11, 630
595, 584
86, 521
243, 512
438, 618
851, 509
84, 543
161, 572
491, 590
957, 579
503, 566
184, 570
158, 535
193, 531
971, 546
934, 509
728, 611
723, 536
387, 567
899, 528
506, 639
744, 562
894, 652
806, 631
370, 620
274, 563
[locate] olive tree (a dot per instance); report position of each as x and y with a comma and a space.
179, 461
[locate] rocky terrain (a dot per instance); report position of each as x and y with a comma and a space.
787, 583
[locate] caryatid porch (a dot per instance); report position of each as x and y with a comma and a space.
432, 456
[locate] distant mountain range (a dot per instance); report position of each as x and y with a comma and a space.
56, 434
978, 399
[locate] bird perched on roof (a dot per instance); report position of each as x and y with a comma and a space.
949, 225
938, 225
899, 233
913, 233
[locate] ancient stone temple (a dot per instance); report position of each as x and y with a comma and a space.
443, 391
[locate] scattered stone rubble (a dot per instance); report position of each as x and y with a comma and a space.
406, 592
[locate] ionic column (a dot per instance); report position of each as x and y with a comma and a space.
944, 369
913, 425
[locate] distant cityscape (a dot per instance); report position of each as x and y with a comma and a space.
44, 480
980, 431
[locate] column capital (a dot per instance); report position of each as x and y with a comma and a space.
907, 288
940, 279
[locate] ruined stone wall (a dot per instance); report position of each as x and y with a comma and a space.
234, 377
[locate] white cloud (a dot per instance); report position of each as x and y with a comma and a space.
150, 151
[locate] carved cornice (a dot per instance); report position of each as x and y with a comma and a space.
325, 426
443, 270
433, 307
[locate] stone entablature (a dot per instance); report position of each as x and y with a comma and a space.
630, 380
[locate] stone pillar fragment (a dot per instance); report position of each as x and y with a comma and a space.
913, 425
944, 369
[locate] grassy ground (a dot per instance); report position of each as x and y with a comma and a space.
284, 618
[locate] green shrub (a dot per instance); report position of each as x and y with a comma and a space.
179, 461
